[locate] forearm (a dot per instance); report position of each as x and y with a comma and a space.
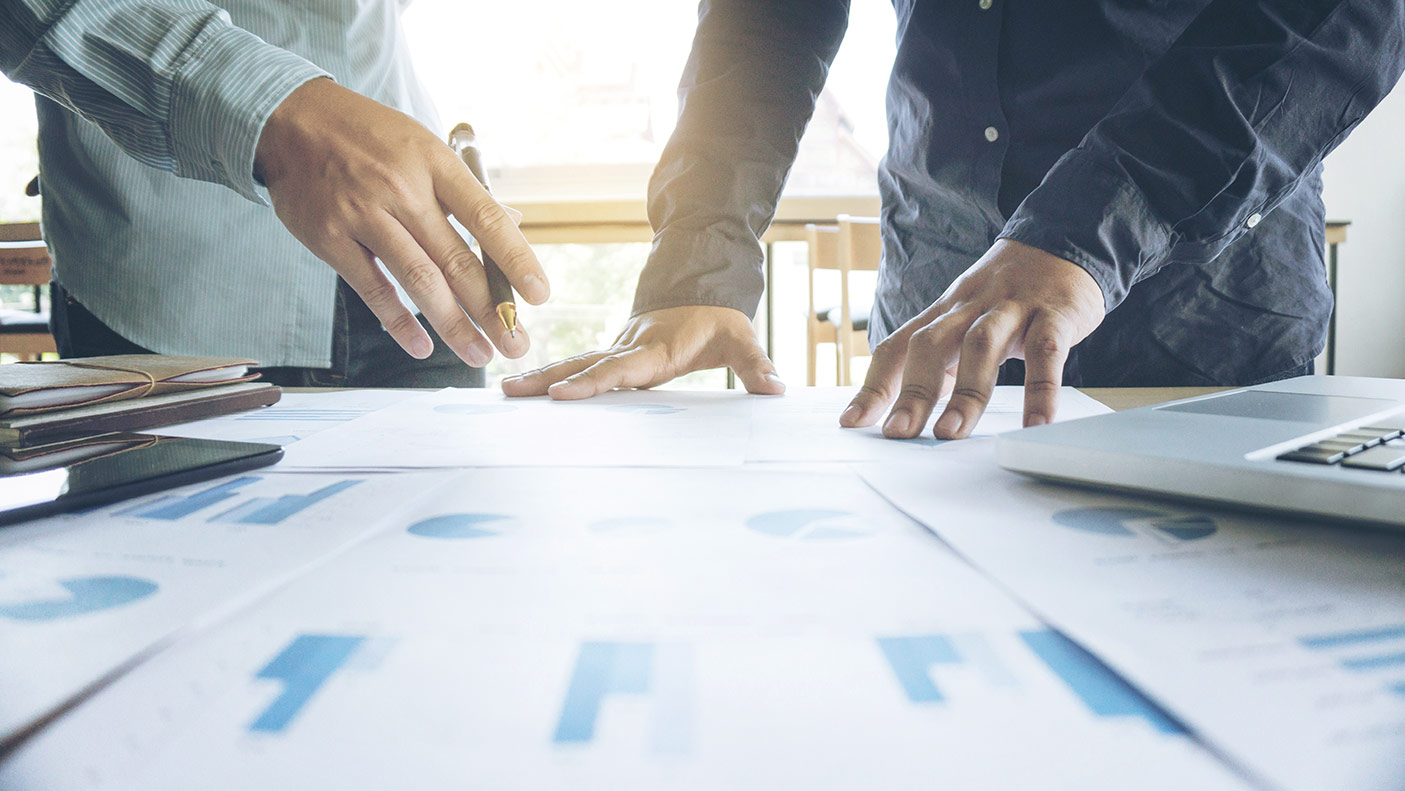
747, 92
1214, 136
175, 84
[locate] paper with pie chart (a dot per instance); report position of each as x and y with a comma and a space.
1281, 642
120, 580
796, 632
482, 428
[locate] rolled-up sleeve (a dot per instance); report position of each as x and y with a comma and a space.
1217, 132
173, 82
747, 92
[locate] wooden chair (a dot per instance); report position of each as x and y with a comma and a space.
24, 261
852, 245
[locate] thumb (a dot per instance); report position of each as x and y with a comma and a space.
755, 369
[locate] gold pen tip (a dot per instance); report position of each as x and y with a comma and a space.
508, 313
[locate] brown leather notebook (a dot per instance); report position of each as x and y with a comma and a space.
135, 414
29, 388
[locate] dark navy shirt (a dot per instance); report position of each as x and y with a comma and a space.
1172, 148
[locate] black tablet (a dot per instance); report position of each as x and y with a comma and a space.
82, 473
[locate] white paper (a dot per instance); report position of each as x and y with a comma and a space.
1281, 642
295, 416
476, 428
803, 426
82, 594
632, 628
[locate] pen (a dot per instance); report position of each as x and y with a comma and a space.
462, 139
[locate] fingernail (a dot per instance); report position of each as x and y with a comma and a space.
898, 423
535, 288
514, 379
948, 425
421, 348
513, 213
1035, 420
850, 415
478, 356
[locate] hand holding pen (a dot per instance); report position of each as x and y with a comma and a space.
372, 192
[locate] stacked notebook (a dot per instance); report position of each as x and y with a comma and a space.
59, 400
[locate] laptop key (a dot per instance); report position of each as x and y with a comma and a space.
1386, 432
1341, 445
1367, 438
1391, 423
1313, 455
1385, 458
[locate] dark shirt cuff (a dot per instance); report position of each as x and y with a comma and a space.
1089, 213
714, 270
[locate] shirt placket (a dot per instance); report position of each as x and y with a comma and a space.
985, 124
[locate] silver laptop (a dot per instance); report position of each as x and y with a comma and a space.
1324, 446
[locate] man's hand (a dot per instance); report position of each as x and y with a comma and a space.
355, 180
1017, 301
655, 347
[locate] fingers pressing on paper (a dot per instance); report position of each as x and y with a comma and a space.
1017, 301
655, 347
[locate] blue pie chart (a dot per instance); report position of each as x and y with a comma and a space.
647, 409
458, 526
473, 410
810, 524
629, 525
83, 595
1130, 521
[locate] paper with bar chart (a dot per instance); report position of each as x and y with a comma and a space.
633, 428
1281, 642
796, 632
118, 580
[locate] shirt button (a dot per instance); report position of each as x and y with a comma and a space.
1253, 220
986, 4
992, 134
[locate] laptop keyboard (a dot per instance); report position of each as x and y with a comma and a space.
1379, 447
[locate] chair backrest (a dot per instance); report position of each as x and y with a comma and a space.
19, 232
860, 243
824, 246
24, 260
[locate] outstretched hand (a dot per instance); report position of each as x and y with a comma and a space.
1016, 302
655, 347
355, 180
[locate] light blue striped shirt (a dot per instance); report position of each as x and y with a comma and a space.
149, 114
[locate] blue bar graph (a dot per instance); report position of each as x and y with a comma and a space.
303, 667
602, 669
606, 669
1337, 639
1374, 662
273, 510
912, 659
85, 595
1101, 690
172, 508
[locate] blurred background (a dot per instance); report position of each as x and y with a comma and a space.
572, 108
